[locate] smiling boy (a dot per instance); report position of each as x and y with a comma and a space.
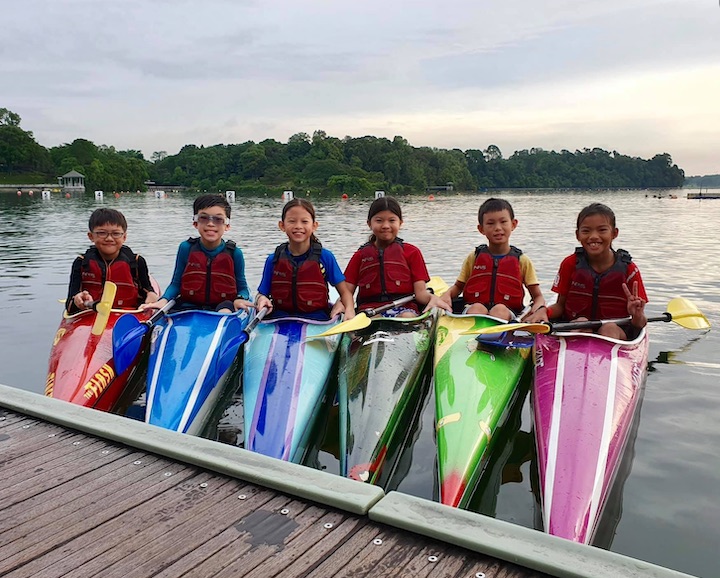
108, 260
494, 275
209, 272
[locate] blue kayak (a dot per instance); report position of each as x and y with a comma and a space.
193, 354
284, 380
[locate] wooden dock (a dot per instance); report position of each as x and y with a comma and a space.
90, 494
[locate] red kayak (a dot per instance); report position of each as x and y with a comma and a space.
81, 369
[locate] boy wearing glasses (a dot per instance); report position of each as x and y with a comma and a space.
209, 272
109, 260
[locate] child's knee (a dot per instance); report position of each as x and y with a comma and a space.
476, 309
502, 312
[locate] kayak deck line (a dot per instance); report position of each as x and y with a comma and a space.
122, 496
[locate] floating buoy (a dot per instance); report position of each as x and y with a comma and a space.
344, 197
67, 195
431, 197
116, 195
30, 193
19, 193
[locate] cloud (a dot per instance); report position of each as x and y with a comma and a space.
158, 75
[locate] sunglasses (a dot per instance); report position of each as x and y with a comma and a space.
214, 219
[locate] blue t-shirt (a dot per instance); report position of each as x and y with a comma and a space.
173, 290
328, 265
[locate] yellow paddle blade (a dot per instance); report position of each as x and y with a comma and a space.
360, 321
686, 314
103, 308
438, 285
529, 327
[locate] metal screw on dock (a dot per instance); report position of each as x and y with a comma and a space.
76, 443
242, 497
328, 526
203, 485
51, 435
137, 462
377, 541
167, 474
26, 426
432, 558
105, 452
284, 511
2, 419
480, 575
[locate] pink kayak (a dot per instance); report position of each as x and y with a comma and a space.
585, 396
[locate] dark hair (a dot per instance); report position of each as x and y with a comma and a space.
596, 209
493, 205
211, 200
103, 216
383, 204
303, 204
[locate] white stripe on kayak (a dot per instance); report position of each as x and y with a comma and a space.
156, 370
554, 434
604, 442
197, 386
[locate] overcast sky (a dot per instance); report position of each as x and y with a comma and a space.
637, 76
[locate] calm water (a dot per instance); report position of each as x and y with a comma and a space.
671, 502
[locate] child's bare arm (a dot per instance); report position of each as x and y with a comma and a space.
345, 303
430, 300
538, 312
455, 290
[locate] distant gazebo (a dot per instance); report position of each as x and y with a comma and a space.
72, 182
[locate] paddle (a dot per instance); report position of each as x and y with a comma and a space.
231, 348
103, 308
679, 310
361, 320
128, 335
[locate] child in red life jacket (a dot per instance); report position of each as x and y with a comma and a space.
494, 276
595, 282
385, 268
296, 276
109, 260
209, 272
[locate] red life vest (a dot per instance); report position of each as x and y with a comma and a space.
384, 275
597, 295
122, 271
496, 280
299, 288
207, 280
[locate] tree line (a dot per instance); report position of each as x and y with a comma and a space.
323, 164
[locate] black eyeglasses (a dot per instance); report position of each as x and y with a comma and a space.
214, 219
105, 234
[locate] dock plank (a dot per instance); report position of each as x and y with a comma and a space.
80, 506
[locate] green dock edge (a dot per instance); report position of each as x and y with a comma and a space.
503, 540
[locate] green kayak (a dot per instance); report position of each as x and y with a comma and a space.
474, 386
380, 367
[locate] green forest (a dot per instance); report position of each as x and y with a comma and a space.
322, 164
